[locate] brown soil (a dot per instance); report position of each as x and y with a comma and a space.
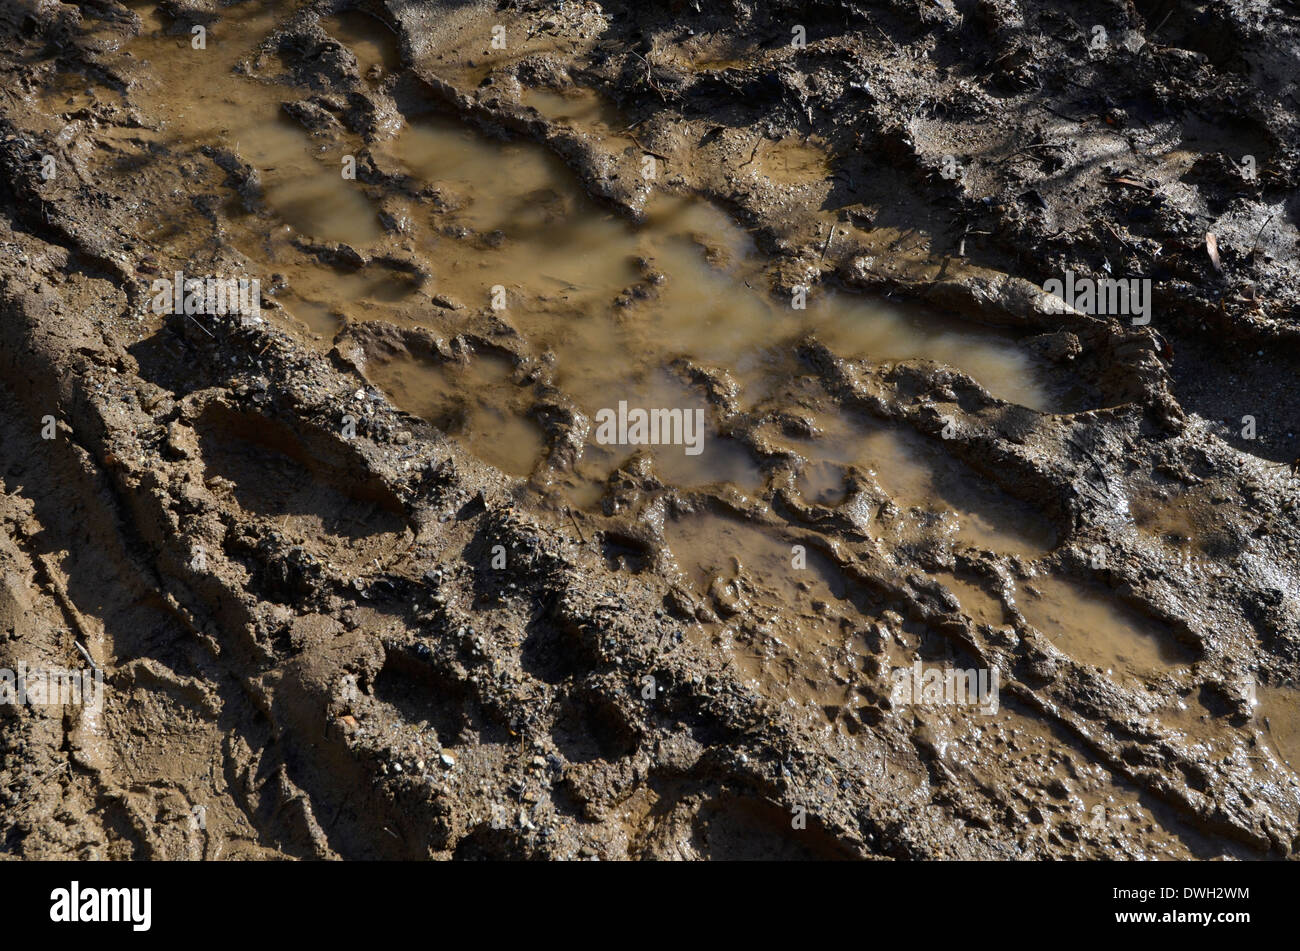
362, 578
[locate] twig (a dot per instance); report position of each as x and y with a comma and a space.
575, 524
649, 75
201, 327
888, 40
1269, 727
647, 151
1261, 233
86, 654
1037, 145
826, 246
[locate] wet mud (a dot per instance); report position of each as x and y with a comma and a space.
379, 567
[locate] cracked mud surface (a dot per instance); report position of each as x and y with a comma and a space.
363, 581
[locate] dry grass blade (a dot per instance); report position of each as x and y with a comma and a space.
1212, 248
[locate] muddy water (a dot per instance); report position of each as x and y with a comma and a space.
1088, 625
915, 474
719, 460
611, 308
199, 100
976, 603
579, 107
1278, 709
568, 266
300, 184
612, 305
477, 402
787, 619
374, 45
514, 216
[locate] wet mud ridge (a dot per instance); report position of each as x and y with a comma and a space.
650, 430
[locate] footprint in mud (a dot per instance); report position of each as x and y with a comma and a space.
273, 474
1190, 525
590, 727
913, 473
417, 693
685, 447
476, 402
854, 327
1091, 627
786, 616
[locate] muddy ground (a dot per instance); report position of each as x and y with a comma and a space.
362, 581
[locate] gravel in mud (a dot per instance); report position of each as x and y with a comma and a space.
365, 574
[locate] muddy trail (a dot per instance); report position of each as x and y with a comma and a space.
627, 394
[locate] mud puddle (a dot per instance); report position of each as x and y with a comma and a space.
915, 474
1089, 626
476, 402
502, 243
204, 104
288, 183
597, 292
604, 302
783, 614
608, 305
